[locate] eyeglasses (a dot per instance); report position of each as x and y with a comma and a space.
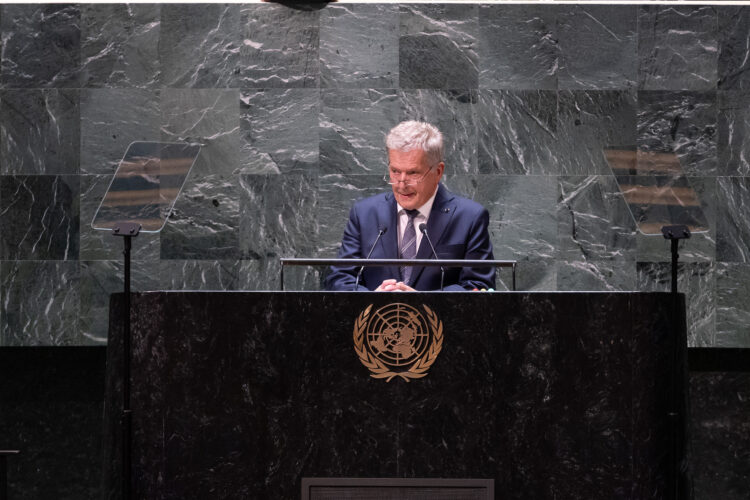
408, 179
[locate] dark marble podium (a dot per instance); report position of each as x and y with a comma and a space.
552, 395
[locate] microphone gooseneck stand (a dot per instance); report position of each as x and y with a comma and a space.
128, 230
423, 228
381, 232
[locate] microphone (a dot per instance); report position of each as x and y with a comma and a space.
381, 232
423, 229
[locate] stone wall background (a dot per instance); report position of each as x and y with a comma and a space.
293, 106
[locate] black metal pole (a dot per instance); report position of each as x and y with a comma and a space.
675, 413
128, 230
675, 258
127, 415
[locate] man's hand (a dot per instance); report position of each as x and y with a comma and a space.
394, 286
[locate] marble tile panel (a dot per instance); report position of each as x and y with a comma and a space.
701, 247
697, 280
353, 126
98, 280
523, 225
119, 45
593, 221
210, 117
732, 305
41, 46
103, 245
110, 120
733, 138
199, 45
279, 129
683, 123
677, 47
590, 121
205, 221
517, 47
734, 47
39, 217
199, 274
279, 46
437, 47
336, 195
40, 304
517, 132
359, 46
39, 131
264, 274
599, 276
453, 113
278, 216
732, 224
598, 47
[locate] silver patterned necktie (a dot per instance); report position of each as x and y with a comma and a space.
409, 245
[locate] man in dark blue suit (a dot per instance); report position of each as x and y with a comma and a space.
456, 226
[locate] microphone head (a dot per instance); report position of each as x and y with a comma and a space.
422, 227
383, 229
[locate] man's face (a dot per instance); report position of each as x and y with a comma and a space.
408, 165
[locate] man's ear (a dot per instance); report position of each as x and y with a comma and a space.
440, 168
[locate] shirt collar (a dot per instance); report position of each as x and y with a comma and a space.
425, 209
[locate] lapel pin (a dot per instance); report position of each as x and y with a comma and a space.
446, 210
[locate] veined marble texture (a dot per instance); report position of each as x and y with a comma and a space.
589, 122
697, 281
119, 45
199, 45
734, 50
40, 303
732, 226
39, 218
205, 221
111, 119
453, 113
39, 131
597, 47
280, 46
682, 123
677, 47
359, 46
517, 132
292, 104
41, 46
353, 126
517, 47
437, 47
733, 133
279, 130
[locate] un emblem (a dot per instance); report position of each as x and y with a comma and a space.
398, 340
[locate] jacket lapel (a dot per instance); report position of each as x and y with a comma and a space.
440, 216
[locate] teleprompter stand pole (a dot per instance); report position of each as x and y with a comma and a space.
128, 230
676, 379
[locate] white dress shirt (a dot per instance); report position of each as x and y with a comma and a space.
403, 219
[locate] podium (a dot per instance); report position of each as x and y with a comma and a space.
549, 395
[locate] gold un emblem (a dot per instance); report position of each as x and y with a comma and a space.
398, 340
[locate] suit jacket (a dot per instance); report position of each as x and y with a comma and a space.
457, 227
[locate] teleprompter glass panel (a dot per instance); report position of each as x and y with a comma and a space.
146, 184
655, 190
